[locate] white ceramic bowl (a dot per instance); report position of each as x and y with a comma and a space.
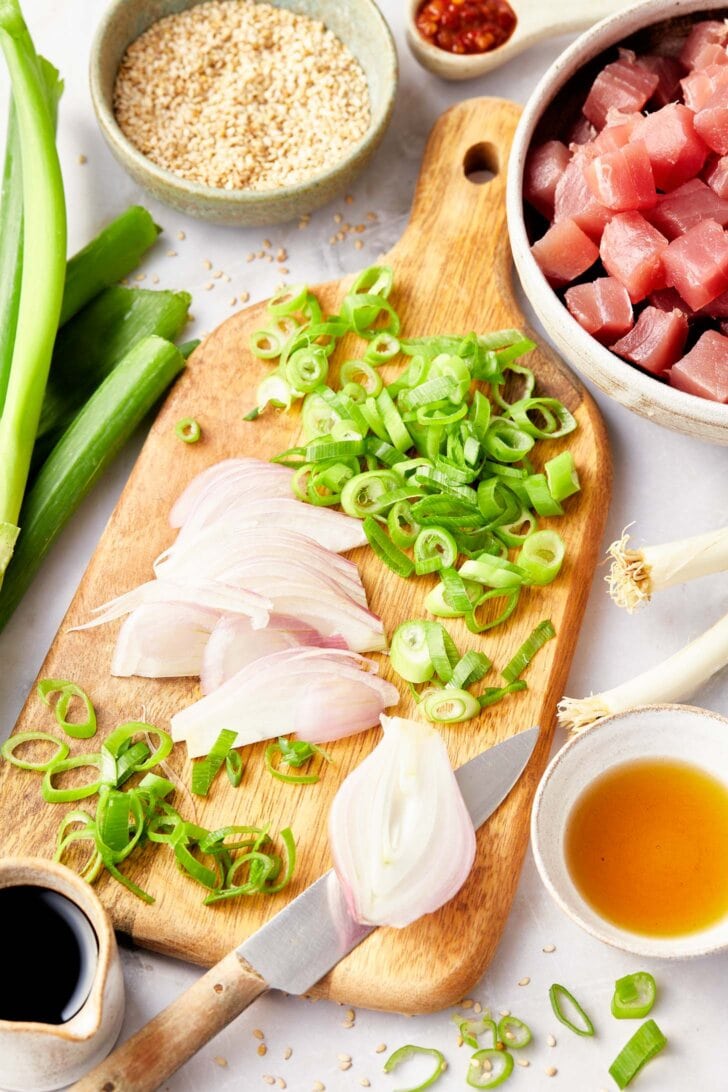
564, 84
677, 732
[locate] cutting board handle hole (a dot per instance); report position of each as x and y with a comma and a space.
481, 163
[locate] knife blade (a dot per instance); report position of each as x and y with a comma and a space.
291, 952
315, 931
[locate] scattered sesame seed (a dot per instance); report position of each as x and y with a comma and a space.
220, 1061
226, 278
217, 274
250, 258
467, 1003
281, 1083
344, 1066
365, 1082
287, 1053
372, 216
267, 244
258, 1033
181, 235
268, 1079
244, 297
505, 1012
380, 1049
360, 228
524, 981
460, 1040
524, 1062
155, 278
209, 286
551, 1040
140, 276
262, 1050
350, 1014
338, 218
551, 1071
233, 301
82, 159
283, 270
358, 244
270, 257
549, 949
302, 224
477, 1007
281, 255
318, 1087
171, 253
344, 1057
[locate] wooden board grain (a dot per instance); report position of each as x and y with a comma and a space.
452, 274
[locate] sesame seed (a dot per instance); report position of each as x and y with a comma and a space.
372, 216
360, 227
349, 198
171, 253
226, 278
365, 1082
244, 297
549, 949
318, 1087
281, 1083
344, 1057
380, 1049
344, 1066
283, 270
477, 1007
551, 1071
233, 301
220, 1061
258, 1033
217, 274
287, 1053
302, 224
209, 286
332, 240
270, 257
460, 1040
155, 278
505, 1012
467, 1003
250, 258
338, 217
524, 981
262, 1050
551, 1041
82, 159
358, 244
140, 277
181, 235
124, 281
268, 1079
282, 255
267, 244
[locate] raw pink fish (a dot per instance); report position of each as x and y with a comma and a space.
575, 201
617, 132
702, 84
631, 250
717, 308
675, 150
704, 370
716, 175
564, 252
677, 212
698, 49
624, 84
696, 263
544, 167
623, 180
656, 340
711, 123
667, 299
669, 71
602, 307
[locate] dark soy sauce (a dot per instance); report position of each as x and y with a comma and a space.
56, 950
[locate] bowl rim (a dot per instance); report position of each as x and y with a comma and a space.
217, 195
606, 932
602, 363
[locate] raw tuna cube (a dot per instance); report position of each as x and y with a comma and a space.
669, 71
676, 151
623, 180
544, 167
564, 252
697, 263
711, 123
704, 370
716, 175
717, 308
667, 299
697, 48
575, 201
699, 87
581, 132
624, 85
602, 307
617, 132
656, 340
677, 212
631, 251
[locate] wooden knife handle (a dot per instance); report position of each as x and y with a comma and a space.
145, 1061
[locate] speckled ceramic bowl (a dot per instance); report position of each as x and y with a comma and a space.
549, 112
678, 732
358, 23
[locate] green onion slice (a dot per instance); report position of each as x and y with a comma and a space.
67, 691
9, 747
449, 706
116, 743
435, 549
644, 1045
54, 795
470, 669
562, 476
205, 770
234, 768
489, 1068
514, 1033
188, 430
543, 632
410, 653
559, 995
386, 550
634, 996
404, 1053
294, 753
541, 557
403, 528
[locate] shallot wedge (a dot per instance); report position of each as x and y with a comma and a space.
211, 594
321, 694
401, 837
635, 575
674, 680
165, 640
252, 478
233, 644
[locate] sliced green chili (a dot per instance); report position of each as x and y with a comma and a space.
404, 1053
558, 995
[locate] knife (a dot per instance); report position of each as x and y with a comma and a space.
291, 952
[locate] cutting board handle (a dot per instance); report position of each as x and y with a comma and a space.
150, 1057
462, 216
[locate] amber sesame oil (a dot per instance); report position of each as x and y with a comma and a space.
647, 847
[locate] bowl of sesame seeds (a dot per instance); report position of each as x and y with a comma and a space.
243, 112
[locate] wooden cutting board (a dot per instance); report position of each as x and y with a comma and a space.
452, 275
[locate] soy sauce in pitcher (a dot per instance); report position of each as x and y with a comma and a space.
57, 949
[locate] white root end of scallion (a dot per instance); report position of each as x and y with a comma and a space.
629, 576
577, 713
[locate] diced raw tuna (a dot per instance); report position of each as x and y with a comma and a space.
717, 308
669, 71
564, 252
581, 132
676, 151
617, 132
602, 307
667, 299
711, 123
575, 201
699, 87
624, 84
656, 340
623, 180
696, 263
631, 251
704, 370
716, 175
544, 167
677, 212
697, 50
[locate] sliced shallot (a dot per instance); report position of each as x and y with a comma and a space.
225, 489
164, 640
401, 836
209, 594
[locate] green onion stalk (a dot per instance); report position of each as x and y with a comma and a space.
43, 274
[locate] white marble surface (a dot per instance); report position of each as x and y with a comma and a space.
667, 483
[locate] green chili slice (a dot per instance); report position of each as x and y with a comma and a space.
404, 1053
9, 746
67, 691
188, 430
514, 1033
558, 995
489, 1068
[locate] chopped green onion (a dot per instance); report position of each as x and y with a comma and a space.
489, 1068
295, 754
493, 572
382, 348
558, 420
634, 996
471, 668
443, 652
67, 691
644, 1045
386, 550
362, 373
410, 654
205, 770
558, 995
562, 476
404, 1053
541, 557
188, 430
54, 795
9, 747
514, 1033
360, 495
288, 299
493, 694
449, 706
543, 632
435, 548
511, 596
403, 529
540, 497
234, 768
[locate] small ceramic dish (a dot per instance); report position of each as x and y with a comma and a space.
646, 27
535, 21
678, 732
35, 1057
358, 23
